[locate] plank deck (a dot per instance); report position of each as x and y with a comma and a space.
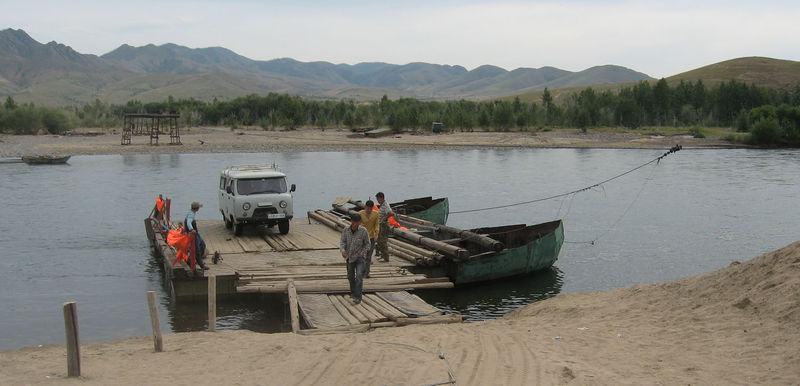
262, 261
337, 313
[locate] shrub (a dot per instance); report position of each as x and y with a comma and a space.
765, 132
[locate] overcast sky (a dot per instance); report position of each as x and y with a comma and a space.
659, 38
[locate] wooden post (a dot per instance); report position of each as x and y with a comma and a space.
73, 342
293, 314
212, 303
158, 342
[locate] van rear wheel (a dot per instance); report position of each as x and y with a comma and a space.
283, 226
237, 228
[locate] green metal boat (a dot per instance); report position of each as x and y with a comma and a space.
425, 208
527, 249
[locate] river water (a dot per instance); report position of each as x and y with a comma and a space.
75, 232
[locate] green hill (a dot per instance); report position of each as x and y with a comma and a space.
760, 71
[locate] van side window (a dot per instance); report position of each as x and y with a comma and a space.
222, 183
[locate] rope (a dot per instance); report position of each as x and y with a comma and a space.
624, 213
656, 160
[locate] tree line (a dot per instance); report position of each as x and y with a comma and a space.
687, 104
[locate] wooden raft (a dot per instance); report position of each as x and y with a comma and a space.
331, 278
331, 313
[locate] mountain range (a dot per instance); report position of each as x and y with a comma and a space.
55, 74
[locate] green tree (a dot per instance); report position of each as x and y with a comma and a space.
10, 104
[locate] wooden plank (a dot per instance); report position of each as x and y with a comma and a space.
387, 311
352, 309
293, 314
337, 330
337, 303
391, 310
373, 315
319, 312
433, 319
270, 287
409, 304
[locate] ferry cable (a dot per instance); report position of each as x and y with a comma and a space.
657, 160
624, 213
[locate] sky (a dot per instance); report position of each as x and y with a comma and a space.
658, 38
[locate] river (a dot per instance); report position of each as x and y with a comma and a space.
75, 232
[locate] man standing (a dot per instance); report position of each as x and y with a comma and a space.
369, 218
354, 246
384, 212
190, 225
159, 208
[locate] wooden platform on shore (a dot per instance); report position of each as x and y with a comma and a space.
264, 261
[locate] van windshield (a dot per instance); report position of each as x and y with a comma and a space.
261, 185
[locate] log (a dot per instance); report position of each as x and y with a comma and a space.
346, 314
158, 341
343, 288
337, 330
414, 248
485, 242
212, 303
73, 341
444, 248
384, 308
293, 313
448, 318
322, 220
403, 255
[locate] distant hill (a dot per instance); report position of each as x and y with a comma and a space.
55, 74
766, 72
760, 71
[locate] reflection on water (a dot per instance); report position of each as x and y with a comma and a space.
75, 232
491, 300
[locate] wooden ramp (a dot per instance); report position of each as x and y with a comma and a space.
331, 313
330, 278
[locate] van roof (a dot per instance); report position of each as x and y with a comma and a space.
252, 171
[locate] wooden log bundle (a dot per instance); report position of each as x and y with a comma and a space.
405, 250
485, 242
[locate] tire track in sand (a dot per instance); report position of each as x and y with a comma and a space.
488, 358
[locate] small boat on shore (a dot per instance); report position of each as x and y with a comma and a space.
45, 159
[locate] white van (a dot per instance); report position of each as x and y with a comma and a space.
255, 195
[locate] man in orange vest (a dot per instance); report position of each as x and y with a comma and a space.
159, 207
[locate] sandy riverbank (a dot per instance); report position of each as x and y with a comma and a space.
738, 325
223, 140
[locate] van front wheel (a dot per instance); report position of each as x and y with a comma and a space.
283, 226
237, 228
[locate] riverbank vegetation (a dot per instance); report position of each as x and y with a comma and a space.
762, 116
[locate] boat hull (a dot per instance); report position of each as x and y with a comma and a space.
45, 160
539, 251
426, 208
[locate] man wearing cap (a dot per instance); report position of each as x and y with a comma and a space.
190, 225
354, 246
384, 212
